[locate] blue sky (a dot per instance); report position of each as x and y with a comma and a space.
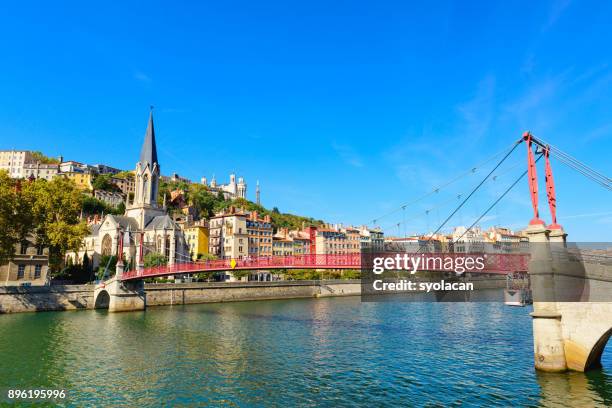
343, 110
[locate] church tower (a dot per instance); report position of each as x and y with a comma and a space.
241, 188
145, 207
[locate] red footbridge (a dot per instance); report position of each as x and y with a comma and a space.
494, 264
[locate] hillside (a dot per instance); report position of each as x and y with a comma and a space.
208, 203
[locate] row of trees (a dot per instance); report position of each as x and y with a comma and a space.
47, 211
312, 274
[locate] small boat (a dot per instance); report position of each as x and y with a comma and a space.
518, 290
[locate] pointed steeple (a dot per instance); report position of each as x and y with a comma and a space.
148, 154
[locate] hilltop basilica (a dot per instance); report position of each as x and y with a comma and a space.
145, 227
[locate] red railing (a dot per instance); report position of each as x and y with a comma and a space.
495, 263
312, 261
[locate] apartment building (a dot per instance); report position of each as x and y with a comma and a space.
82, 180
13, 161
301, 242
127, 185
229, 237
465, 240
330, 240
111, 198
282, 243
104, 169
372, 239
353, 239
72, 166
40, 170
29, 266
260, 233
293, 242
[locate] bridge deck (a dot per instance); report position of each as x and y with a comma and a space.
496, 264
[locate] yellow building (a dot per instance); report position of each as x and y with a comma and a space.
82, 180
196, 237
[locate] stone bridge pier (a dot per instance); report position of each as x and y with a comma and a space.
572, 309
118, 296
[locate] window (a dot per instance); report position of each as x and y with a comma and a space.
20, 271
24, 248
37, 271
39, 250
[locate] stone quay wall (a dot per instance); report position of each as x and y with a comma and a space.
14, 299
75, 297
192, 293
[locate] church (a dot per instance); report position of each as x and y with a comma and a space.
146, 226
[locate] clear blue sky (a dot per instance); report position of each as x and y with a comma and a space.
342, 110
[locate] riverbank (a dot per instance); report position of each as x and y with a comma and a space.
80, 297
77, 297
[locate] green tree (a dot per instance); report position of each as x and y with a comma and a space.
55, 209
205, 276
203, 201
40, 157
76, 273
91, 205
103, 182
351, 274
154, 259
206, 257
239, 273
302, 274
108, 265
86, 264
9, 222
124, 175
47, 210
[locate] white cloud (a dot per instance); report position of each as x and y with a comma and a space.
348, 154
587, 215
477, 113
142, 77
556, 11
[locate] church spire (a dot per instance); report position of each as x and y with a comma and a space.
148, 154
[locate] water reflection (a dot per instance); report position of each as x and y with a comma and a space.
323, 352
575, 389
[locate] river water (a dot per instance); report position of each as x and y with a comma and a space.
311, 352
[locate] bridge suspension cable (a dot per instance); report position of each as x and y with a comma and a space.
576, 164
454, 198
563, 157
495, 202
437, 189
476, 189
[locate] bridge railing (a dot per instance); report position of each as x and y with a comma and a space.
495, 263
326, 261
